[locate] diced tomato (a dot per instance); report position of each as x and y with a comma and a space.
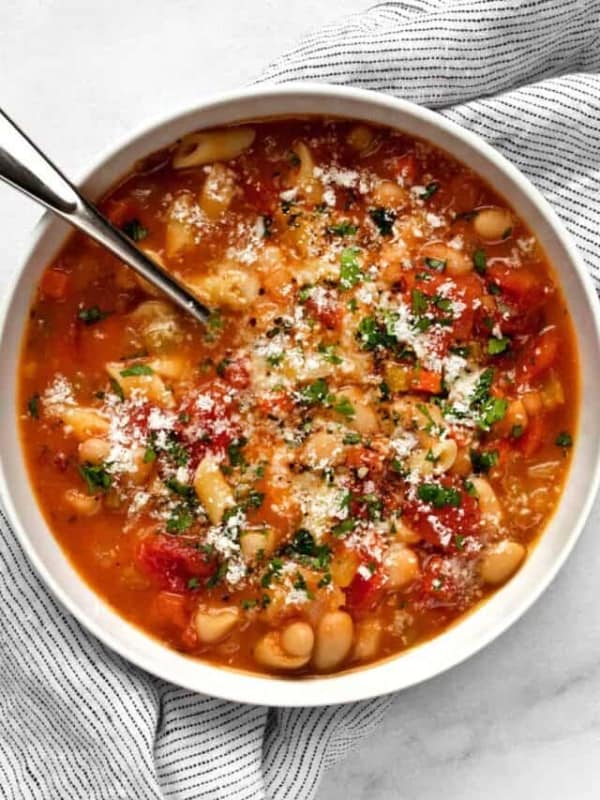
364, 593
533, 437
538, 355
520, 286
54, 284
278, 405
436, 586
172, 562
207, 426
169, 608
405, 167
468, 289
438, 526
326, 310
362, 457
424, 380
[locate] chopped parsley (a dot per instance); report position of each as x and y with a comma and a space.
235, 452
137, 369
344, 527
344, 407
429, 190
222, 366
496, 346
437, 264
439, 496
315, 393
92, 314
116, 389
564, 439
352, 438
384, 219
517, 431
33, 406
180, 520
328, 353
350, 271
135, 230
480, 262
344, 228
96, 477
484, 460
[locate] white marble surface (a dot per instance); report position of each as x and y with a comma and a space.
521, 719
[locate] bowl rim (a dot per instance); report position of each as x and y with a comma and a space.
347, 686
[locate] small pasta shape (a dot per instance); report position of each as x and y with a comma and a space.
84, 423
212, 489
360, 138
84, 504
158, 325
269, 652
364, 419
218, 191
489, 505
322, 449
151, 385
304, 178
231, 287
206, 147
172, 368
180, 234
390, 195
256, 545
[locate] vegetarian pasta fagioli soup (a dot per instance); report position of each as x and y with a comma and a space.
361, 445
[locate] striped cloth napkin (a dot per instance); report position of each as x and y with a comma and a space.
78, 722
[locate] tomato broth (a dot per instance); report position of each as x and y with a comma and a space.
362, 444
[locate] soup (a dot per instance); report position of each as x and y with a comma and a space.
359, 447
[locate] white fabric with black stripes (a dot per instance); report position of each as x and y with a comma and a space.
80, 723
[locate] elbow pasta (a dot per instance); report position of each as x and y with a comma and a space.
364, 441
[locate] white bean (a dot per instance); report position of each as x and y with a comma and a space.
269, 652
215, 624
334, 636
501, 561
493, 224
401, 566
297, 639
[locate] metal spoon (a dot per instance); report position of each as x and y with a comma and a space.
26, 168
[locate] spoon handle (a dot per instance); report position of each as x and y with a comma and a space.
26, 168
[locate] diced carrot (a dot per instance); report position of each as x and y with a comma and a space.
170, 608
424, 380
54, 284
522, 286
538, 355
119, 211
530, 442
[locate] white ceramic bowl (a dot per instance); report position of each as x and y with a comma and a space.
477, 629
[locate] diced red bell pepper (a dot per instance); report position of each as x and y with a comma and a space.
424, 380
364, 594
538, 355
55, 284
